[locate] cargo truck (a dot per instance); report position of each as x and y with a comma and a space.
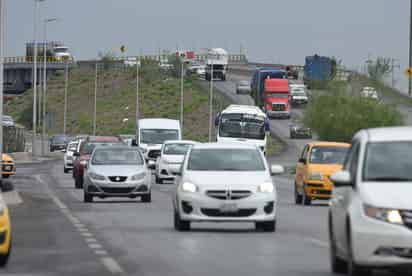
55, 51
258, 82
217, 59
277, 98
318, 70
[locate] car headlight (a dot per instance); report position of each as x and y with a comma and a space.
96, 176
315, 176
138, 176
189, 187
83, 162
266, 187
386, 215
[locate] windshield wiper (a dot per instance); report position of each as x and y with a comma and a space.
388, 178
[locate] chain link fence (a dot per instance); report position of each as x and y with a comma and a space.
14, 139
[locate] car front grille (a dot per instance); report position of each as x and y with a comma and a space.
154, 153
407, 218
278, 107
212, 212
228, 194
117, 179
117, 190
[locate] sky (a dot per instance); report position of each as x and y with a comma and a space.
268, 30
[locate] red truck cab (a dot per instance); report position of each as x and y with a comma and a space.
277, 98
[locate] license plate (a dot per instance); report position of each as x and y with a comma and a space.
228, 208
7, 168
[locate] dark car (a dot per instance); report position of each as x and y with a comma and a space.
58, 142
85, 150
299, 130
292, 73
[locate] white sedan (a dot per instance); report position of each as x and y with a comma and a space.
68, 158
117, 171
225, 183
171, 158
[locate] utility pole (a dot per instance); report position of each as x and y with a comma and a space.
211, 102
137, 100
410, 50
393, 66
66, 85
181, 95
2, 21
95, 100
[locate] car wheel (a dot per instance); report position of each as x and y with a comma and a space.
4, 258
337, 264
298, 197
5, 176
147, 197
87, 197
66, 170
78, 182
180, 225
353, 268
266, 226
305, 199
158, 179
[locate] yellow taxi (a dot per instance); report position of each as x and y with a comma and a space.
5, 233
8, 166
317, 162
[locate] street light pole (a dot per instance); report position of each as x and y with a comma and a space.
95, 101
181, 96
211, 102
2, 21
137, 100
410, 50
66, 84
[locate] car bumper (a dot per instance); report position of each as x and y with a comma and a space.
125, 189
68, 164
167, 171
5, 233
204, 208
380, 244
278, 113
318, 190
8, 169
300, 101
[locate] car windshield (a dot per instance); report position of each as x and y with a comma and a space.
282, 95
158, 136
87, 148
225, 160
61, 50
114, 156
328, 155
244, 83
242, 126
388, 161
298, 92
176, 149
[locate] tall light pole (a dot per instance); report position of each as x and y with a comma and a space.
43, 135
137, 100
211, 102
181, 94
95, 100
1, 76
66, 85
410, 50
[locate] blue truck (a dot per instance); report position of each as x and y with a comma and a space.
258, 82
318, 70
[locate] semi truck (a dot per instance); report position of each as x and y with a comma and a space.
277, 98
55, 51
258, 82
318, 70
217, 62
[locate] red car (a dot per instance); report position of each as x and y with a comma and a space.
85, 150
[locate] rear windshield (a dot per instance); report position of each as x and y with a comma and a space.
176, 149
114, 156
87, 147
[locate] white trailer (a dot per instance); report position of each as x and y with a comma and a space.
217, 64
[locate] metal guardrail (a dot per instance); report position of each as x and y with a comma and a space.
25, 59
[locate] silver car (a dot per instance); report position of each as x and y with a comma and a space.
221, 182
68, 158
243, 87
117, 171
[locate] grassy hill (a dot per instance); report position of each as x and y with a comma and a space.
159, 97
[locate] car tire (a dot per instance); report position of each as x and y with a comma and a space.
337, 264
147, 198
305, 199
179, 224
266, 226
66, 170
78, 182
298, 197
4, 258
5, 176
87, 198
158, 179
354, 269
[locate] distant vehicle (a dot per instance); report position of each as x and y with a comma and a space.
318, 161
130, 61
85, 150
218, 59
153, 133
170, 159
197, 69
298, 94
117, 171
277, 98
318, 70
243, 87
370, 213
58, 142
68, 158
243, 124
258, 82
8, 121
128, 138
54, 50
225, 183
292, 72
299, 130
8, 166
369, 92
5, 233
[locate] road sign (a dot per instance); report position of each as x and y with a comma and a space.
122, 48
408, 72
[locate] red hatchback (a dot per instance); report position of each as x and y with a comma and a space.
85, 150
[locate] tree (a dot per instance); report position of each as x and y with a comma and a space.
379, 69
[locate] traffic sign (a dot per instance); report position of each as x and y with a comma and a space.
123, 48
408, 72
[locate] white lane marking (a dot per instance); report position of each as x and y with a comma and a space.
86, 234
317, 242
91, 240
100, 252
111, 265
12, 198
95, 246
79, 225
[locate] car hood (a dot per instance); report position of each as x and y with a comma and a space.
117, 170
84, 157
257, 142
227, 180
171, 158
277, 100
151, 146
325, 169
392, 195
7, 157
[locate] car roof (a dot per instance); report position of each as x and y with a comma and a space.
389, 134
119, 147
248, 109
159, 123
222, 145
103, 139
329, 144
180, 142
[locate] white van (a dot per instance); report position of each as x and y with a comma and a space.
243, 123
154, 132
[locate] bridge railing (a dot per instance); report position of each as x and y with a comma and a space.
28, 59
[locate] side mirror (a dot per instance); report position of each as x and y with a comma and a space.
276, 170
151, 164
76, 154
134, 143
302, 160
341, 179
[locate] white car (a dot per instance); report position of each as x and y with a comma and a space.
171, 158
369, 92
117, 171
299, 95
225, 183
68, 158
370, 214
